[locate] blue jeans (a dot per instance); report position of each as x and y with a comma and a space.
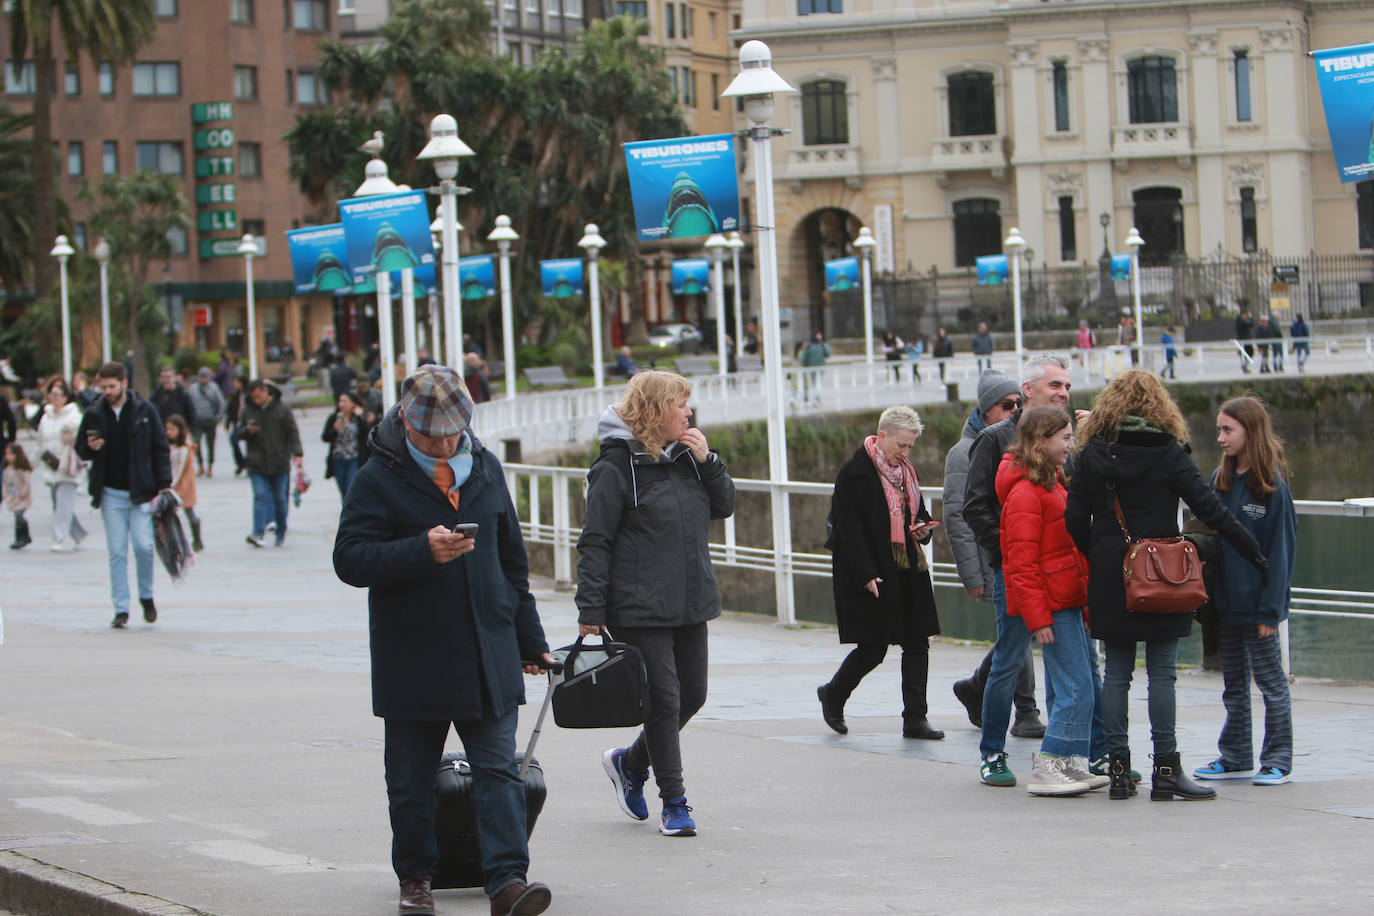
344, 471
124, 521
1161, 667
412, 757
1008, 654
238, 449
269, 502
1245, 653
1069, 672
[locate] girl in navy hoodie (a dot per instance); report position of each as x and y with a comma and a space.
1251, 482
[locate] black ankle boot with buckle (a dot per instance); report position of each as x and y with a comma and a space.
1119, 769
1170, 782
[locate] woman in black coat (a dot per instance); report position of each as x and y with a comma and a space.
880, 576
1134, 446
346, 432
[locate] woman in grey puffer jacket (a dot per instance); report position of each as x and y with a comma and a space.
644, 572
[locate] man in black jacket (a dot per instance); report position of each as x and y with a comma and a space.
171, 398
123, 438
451, 618
1044, 383
272, 443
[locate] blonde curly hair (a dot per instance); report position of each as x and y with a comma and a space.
1133, 393
650, 399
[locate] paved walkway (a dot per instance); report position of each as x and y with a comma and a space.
225, 761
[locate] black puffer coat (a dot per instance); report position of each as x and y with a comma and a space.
904, 610
1151, 472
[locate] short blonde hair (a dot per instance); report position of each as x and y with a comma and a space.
901, 417
650, 398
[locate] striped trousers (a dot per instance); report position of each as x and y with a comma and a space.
1243, 655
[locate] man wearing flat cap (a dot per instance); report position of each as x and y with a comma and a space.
451, 617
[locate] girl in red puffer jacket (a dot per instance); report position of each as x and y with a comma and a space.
1047, 586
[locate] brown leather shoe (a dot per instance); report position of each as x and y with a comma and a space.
416, 899
522, 900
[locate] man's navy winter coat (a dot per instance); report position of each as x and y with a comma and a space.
446, 640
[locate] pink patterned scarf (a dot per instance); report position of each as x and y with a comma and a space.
895, 481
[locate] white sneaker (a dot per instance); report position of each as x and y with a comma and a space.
1078, 768
1050, 777
62, 546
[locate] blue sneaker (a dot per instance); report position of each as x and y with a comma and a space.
629, 785
677, 819
1218, 769
1272, 776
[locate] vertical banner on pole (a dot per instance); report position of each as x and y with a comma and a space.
561, 278
683, 187
319, 259
388, 232
1121, 267
1346, 79
992, 270
691, 276
479, 276
841, 274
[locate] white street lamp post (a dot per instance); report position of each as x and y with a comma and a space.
1014, 244
756, 83
435, 342
444, 150
716, 246
1134, 240
63, 251
102, 255
865, 243
375, 182
736, 243
592, 242
248, 248
503, 235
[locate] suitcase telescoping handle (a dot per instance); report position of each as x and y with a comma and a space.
555, 668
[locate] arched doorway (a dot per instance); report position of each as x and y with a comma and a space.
825, 235
1159, 218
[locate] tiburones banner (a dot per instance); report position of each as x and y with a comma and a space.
1346, 78
388, 232
841, 274
479, 279
561, 278
691, 276
683, 187
319, 259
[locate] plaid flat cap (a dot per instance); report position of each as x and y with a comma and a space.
436, 402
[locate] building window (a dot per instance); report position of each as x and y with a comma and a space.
79, 236
241, 11
1061, 96
254, 227
711, 23
71, 79
163, 157
19, 80
572, 9
165, 9
246, 83
672, 77
177, 237
689, 86
972, 104
312, 15
250, 160
639, 9
157, 79
669, 21
1159, 217
807, 7
686, 20
290, 87
105, 77
715, 92
1153, 90
1249, 233
1364, 212
310, 90
532, 7
825, 115
1068, 236
977, 230
109, 157
75, 159
1242, 63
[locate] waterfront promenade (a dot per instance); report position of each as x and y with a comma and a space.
225, 761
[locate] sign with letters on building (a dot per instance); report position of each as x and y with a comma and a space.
1346, 79
213, 142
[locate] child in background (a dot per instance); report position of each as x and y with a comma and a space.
1252, 483
1170, 353
18, 474
183, 456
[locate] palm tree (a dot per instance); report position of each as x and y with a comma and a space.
16, 198
106, 30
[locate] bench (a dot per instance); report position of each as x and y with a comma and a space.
547, 377
695, 365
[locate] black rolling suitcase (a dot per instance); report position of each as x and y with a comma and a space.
455, 809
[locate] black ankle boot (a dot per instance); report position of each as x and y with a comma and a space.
1169, 781
21, 533
1119, 769
831, 712
196, 544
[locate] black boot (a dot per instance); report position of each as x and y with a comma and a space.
196, 544
1169, 781
1119, 769
831, 712
21, 533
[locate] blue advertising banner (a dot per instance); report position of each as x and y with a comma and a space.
1121, 267
683, 187
691, 276
992, 269
841, 274
387, 232
1346, 78
561, 278
478, 276
319, 259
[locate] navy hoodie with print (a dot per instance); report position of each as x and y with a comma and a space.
1240, 595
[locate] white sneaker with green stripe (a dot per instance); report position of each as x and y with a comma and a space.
995, 772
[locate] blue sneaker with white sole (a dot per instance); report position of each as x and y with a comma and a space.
1220, 769
1272, 776
629, 785
677, 818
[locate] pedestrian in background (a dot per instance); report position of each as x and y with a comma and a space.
181, 454
61, 469
346, 431
170, 397
880, 576
1270, 331
1245, 331
915, 349
1166, 338
475, 377
82, 392
233, 407
982, 347
1133, 451
943, 351
123, 438
273, 444
208, 402
17, 476
341, 378
1086, 341
894, 349
813, 358
652, 493
1251, 482
1301, 336
372, 399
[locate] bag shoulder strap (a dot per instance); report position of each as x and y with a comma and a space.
1120, 519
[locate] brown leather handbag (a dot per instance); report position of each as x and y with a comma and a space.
1162, 575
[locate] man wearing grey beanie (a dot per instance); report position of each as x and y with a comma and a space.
998, 398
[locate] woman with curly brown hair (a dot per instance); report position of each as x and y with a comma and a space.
1134, 448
